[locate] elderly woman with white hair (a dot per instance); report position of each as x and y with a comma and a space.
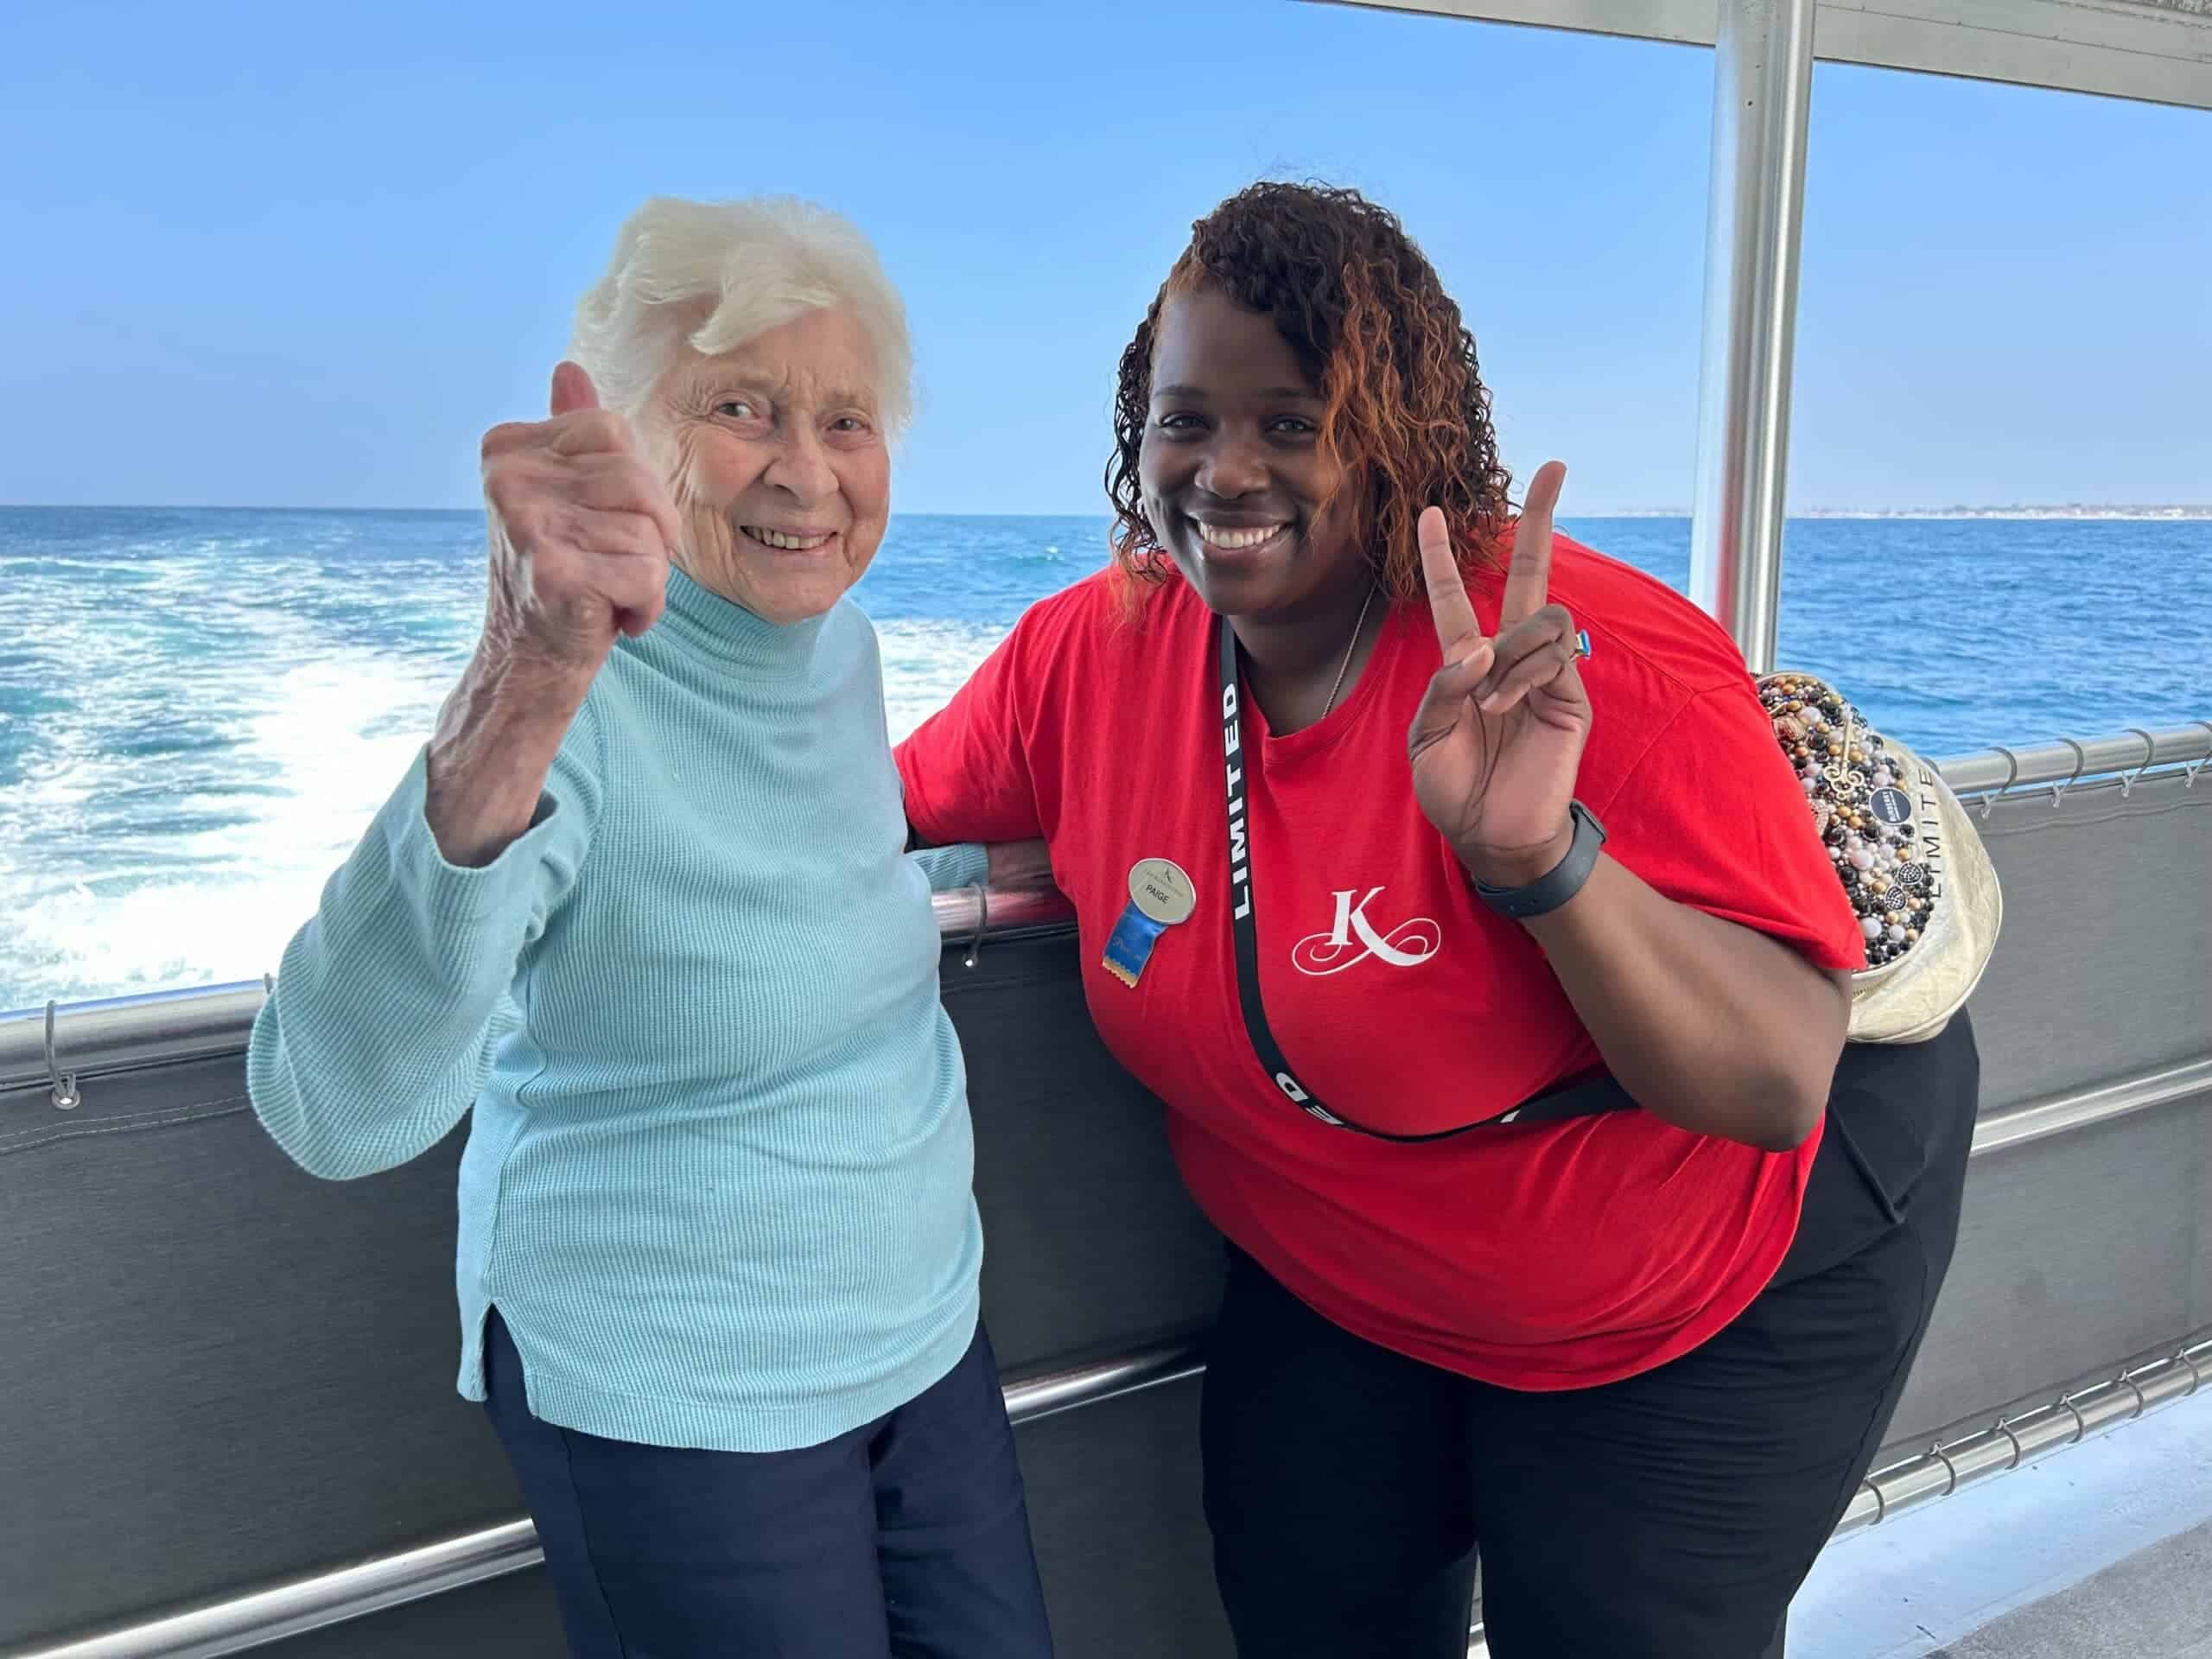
643, 903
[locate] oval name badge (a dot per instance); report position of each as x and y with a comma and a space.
1160, 895
1159, 889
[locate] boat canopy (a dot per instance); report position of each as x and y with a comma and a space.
2157, 51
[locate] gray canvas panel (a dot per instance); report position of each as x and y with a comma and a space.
2200, 1296
1121, 1538
1121, 1543
219, 1371
2075, 1253
2104, 966
238, 1373
1089, 1244
510, 1618
223, 1372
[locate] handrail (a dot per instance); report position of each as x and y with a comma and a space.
126, 1032
2080, 1109
123, 1033
314, 1602
2065, 761
311, 1603
307, 1604
1950, 1466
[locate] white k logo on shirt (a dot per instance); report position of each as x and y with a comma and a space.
1353, 939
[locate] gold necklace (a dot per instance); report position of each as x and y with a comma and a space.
1351, 645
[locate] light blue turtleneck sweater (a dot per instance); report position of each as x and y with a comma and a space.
718, 1178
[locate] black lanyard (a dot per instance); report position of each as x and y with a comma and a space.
1580, 1099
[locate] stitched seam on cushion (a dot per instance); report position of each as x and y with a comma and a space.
29, 1139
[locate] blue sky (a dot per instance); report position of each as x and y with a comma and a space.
296, 255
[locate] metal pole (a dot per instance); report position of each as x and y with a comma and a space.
1762, 86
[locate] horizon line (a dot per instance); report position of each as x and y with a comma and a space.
2056, 509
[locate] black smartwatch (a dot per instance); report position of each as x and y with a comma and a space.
1565, 879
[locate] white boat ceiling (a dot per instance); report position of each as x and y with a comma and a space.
2157, 51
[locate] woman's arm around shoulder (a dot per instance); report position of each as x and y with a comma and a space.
984, 768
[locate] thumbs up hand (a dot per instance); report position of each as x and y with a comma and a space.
582, 531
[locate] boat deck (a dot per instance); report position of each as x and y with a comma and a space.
2107, 1550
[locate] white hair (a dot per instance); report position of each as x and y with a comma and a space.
712, 275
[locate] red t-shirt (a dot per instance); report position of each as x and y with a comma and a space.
1536, 1257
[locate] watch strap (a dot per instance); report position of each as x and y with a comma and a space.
1554, 888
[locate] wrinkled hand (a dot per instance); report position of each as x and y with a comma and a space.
581, 533
1498, 740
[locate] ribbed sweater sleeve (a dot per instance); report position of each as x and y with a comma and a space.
391, 999
950, 868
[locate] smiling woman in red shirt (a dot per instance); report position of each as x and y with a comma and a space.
1444, 880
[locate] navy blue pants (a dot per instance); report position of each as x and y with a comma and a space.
907, 1537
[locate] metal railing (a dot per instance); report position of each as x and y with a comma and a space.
299, 1605
2061, 764
1951, 1466
57, 1046
371, 1586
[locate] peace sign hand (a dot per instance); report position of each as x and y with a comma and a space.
1498, 739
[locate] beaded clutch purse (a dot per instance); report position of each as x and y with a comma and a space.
1916, 873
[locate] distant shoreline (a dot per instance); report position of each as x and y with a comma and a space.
2174, 514
2153, 515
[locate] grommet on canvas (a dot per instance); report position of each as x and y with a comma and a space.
1951, 1469
66, 1095
2080, 759
2182, 1357
2081, 1423
2142, 1401
1881, 1504
2189, 778
2150, 750
2003, 1426
2012, 777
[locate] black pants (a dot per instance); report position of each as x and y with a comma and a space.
1671, 1515
908, 1536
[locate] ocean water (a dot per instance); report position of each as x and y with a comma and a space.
201, 710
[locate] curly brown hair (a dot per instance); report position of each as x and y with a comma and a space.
1407, 417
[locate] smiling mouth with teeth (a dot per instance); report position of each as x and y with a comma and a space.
783, 542
1236, 541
